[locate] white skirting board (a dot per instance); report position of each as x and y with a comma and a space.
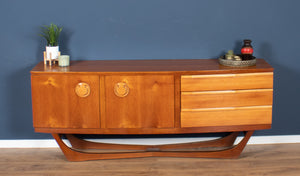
50, 143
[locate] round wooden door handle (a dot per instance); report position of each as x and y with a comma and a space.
121, 89
83, 89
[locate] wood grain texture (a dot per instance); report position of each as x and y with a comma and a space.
235, 98
73, 154
151, 97
167, 66
141, 131
256, 160
149, 104
227, 81
78, 143
102, 100
177, 101
56, 105
227, 116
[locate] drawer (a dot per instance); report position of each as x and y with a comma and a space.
227, 116
227, 81
231, 98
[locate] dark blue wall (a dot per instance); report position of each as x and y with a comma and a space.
148, 29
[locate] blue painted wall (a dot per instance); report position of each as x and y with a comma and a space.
148, 29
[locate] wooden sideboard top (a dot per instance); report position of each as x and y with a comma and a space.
151, 66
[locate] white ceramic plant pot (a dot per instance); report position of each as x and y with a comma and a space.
52, 52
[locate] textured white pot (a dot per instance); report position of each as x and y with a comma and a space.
52, 52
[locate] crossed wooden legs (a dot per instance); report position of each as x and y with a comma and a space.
76, 153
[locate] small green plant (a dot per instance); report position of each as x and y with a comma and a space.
51, 34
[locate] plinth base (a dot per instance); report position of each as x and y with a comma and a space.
219, 148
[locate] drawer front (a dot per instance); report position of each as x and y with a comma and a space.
226, 99
227, 117
227, 81
231, 98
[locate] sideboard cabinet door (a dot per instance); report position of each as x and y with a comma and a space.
145, 101
65, 101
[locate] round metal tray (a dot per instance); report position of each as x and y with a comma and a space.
235, 63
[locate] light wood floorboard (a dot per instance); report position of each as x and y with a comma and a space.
256, 160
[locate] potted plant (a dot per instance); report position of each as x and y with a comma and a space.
51, 34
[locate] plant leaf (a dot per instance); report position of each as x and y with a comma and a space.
51, 33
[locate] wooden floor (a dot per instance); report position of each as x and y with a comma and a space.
256, 160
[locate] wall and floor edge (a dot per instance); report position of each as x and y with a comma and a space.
50, 143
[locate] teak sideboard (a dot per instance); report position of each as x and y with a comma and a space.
151, 97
